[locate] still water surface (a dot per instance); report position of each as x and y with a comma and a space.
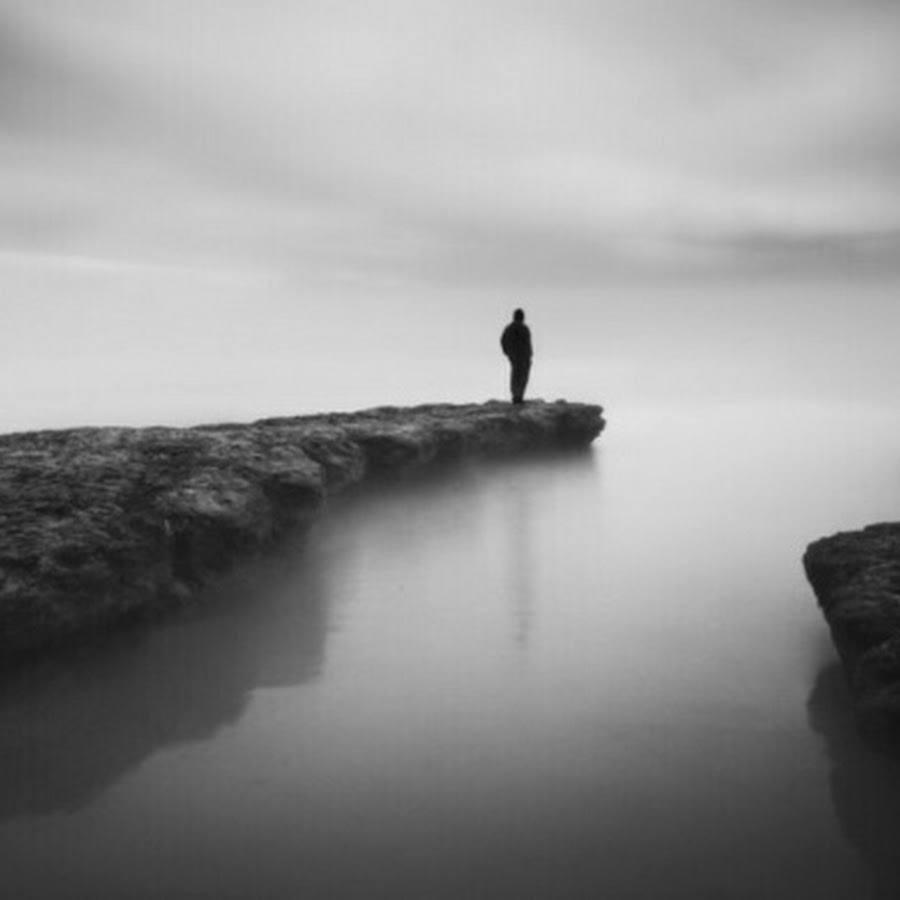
593, 675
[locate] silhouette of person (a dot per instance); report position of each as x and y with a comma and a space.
516, 344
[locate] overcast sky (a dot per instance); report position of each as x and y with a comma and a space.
473, 141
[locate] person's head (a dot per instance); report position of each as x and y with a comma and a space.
519, 315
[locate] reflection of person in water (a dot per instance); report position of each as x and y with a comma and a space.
516, 344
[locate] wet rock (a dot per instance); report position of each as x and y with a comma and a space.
856, 578
102, 526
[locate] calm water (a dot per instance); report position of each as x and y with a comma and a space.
598, 675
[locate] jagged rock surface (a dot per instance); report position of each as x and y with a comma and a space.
856, 577
99, 526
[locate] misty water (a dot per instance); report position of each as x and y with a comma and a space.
574, 676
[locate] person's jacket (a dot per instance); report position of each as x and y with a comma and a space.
516, 341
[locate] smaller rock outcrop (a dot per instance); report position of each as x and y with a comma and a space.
856, 578
100, 526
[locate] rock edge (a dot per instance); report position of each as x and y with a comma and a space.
104, 526
856, 578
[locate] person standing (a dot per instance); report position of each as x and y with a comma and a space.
516, 344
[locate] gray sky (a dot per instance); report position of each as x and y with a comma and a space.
483, 142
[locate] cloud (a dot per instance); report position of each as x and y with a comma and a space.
452, 142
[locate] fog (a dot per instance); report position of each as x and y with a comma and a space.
85, 345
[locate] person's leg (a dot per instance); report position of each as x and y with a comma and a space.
526, 371
519, 380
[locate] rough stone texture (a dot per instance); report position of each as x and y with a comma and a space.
856, 577
100, 526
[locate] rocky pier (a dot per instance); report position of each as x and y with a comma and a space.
856, 578
100, 527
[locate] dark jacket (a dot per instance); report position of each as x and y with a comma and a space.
516, 341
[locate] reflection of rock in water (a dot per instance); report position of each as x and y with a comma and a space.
865, 785
70, 730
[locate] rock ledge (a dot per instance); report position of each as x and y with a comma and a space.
856, 577
102, 526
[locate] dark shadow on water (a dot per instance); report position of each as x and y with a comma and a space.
441, 475
865, 784
72, 727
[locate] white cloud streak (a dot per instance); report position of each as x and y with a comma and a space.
491, 141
